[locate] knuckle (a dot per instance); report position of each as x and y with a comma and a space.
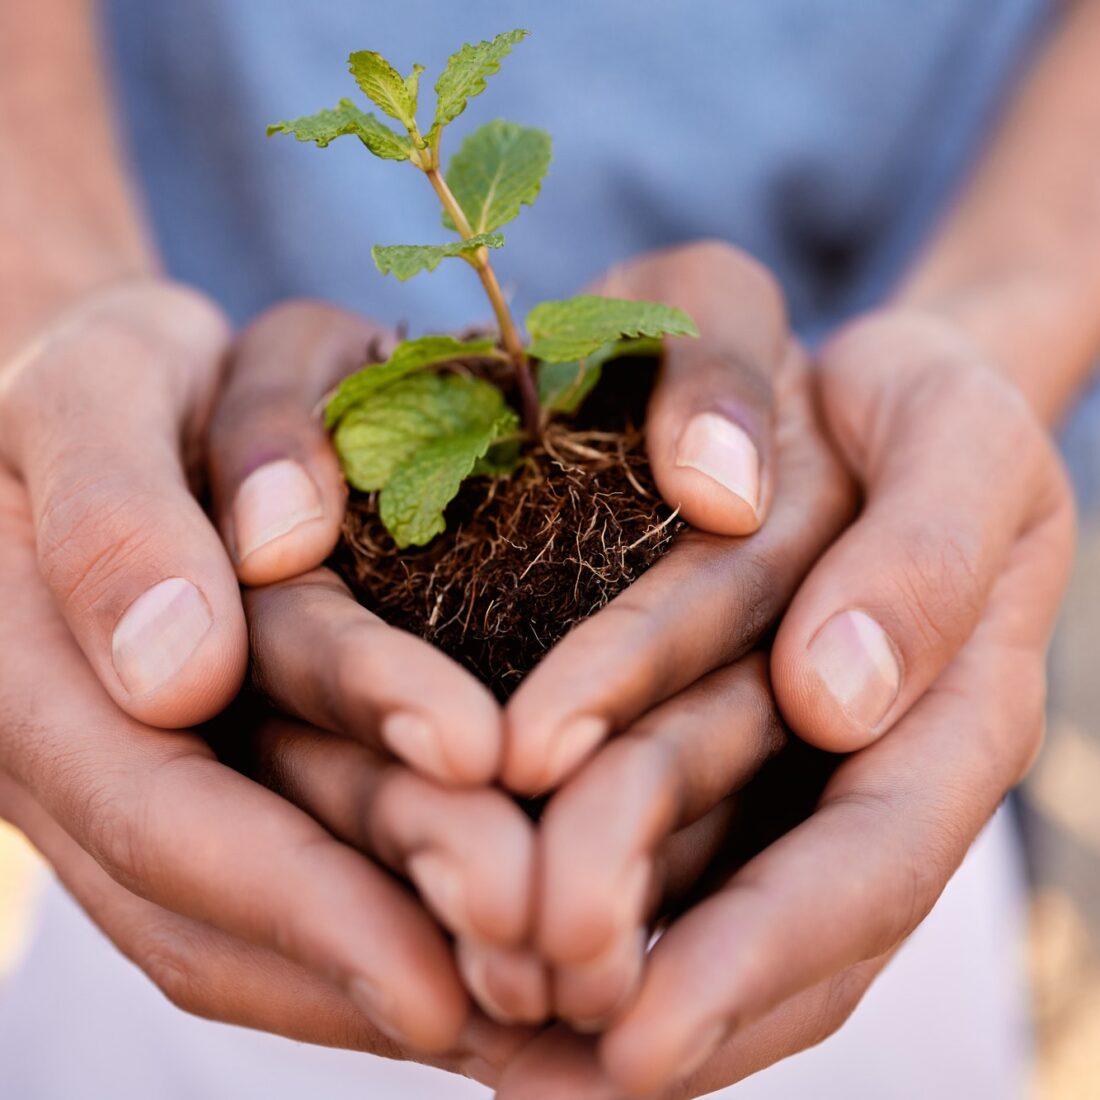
938, 589
91, 533
111, 831
170, 965
842, 997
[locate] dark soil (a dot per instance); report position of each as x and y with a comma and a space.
524, 558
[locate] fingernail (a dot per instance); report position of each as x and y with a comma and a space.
416, 741
610, 979
376, 1004
158, 633
630, 898
271, 501
573, 743
724, 452
440, 885
856, 661
696, 1054
474, 964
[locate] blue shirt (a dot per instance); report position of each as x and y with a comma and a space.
821, 135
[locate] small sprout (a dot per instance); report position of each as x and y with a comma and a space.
413, 435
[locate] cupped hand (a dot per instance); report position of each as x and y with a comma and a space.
102, 418
961, 549
236, 903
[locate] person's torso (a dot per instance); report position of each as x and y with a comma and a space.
821, 135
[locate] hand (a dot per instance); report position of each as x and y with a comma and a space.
236, 904
289, 357
101, 417
805, 926
104, 419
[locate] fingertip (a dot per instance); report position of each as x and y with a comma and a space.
462, 747
510, 985
179, 652
836, 686
713, 473
285, 519
539, 757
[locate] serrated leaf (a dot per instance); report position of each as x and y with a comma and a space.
499, 168
406, 260
412, 85
384, 86
381, 433
464, 76
345, 118
407, 357
564, 386
576, 327
413, 503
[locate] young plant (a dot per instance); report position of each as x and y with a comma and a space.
413, 433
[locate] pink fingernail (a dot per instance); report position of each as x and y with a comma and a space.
440, 885
158, 633
572, 744
416, 741
377, 1005
723, 451
856, 661
473, 961
702, 1049
271, 502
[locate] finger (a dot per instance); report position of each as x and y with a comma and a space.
848, 885
319, 655
710, 421
199, 969
510, 984
470, 852
216, 976
602, 834
561, 1063
955, 468
700, 607
95, 420
167, 821
279, 493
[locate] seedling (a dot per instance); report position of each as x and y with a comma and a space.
411, 429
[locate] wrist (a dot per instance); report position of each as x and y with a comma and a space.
1024, 323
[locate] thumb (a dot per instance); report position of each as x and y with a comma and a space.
279, 492
95, 417
959, 480
710, 421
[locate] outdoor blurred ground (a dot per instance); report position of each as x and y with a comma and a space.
1061, 811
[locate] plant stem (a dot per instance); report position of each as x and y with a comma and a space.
509, 334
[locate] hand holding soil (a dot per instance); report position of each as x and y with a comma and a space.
567, 714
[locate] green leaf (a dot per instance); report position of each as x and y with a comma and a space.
408, 356
380, 434
564, 386
412, 85
381, 83
464, 76
412, 504
345, 118
407, 260
576, 327
499, 168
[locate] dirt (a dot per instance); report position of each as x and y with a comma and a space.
525, 558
